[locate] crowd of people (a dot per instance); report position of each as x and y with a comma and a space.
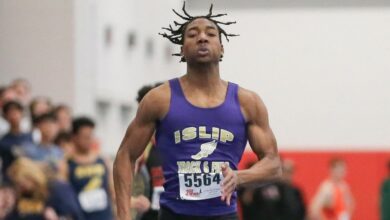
283, 200
51, 169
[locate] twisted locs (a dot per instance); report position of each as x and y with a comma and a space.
176, 35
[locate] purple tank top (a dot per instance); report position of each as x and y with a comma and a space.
194, 142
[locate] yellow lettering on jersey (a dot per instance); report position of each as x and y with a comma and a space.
215, 133
206, 168
226, 136
30, 206
216, 166
95, 183
203, 133
89, 171
188, 167
177, 137
189, 133
200, 166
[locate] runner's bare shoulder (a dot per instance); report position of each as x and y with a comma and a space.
251, 104
157, 101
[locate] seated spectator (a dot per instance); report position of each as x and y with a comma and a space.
7, 200
38, 106
46, 151
64, 117
4, 127
6, 95
39, 198
22, 89
10, 143
64, 141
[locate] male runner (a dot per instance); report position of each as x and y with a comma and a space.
202, 124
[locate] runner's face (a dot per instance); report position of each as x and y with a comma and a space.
201, 42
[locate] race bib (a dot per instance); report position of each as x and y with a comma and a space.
93, 200
156, 197
200, 186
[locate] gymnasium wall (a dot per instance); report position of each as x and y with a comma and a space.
321, 71
37, 43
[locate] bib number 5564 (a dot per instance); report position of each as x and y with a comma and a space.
200, 179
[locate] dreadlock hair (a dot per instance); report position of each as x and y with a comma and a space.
142, 92
176, 36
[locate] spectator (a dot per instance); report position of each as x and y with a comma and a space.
3, 124
46, 151
7, 200
333, 199
10, 144
385, 196
64, 117
38, 197
2, 91
293, 195
22, 89
274, 200
6, 94
88, 173
38, 106
64, 141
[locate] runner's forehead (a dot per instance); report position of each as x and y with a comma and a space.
201, 23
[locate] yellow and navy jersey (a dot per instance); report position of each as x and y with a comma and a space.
91, 184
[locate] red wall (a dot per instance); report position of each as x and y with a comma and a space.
366, 171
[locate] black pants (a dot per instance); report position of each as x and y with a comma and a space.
166, 214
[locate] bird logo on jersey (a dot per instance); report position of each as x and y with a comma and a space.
205, 150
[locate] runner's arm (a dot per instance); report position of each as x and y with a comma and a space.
261, 140
133, 144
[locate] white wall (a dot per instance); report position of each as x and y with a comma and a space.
323, 73
36, 43
121, 70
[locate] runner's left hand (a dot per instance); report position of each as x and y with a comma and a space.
229, 183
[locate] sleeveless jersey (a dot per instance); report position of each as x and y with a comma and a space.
90, 182
194, 142
338, 210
